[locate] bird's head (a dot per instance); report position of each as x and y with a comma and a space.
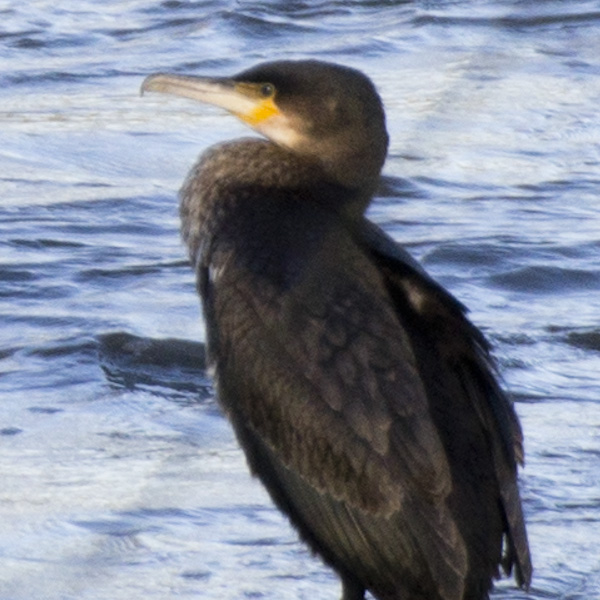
324, 112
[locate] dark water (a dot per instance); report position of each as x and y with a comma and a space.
119, 480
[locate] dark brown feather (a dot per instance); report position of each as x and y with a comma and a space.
361, 394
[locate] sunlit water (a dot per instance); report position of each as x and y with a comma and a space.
119, 480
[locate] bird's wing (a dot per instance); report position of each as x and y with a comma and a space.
465, 352
431, 301
324, 374
330, 381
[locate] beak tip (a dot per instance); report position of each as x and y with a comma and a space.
147, 84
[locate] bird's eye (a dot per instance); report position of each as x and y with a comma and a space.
267, 90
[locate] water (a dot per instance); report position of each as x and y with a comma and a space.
122, 480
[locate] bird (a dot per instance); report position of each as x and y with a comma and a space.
365, 400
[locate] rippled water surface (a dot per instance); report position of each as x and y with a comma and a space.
120, 479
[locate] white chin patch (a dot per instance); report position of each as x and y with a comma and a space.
280, 130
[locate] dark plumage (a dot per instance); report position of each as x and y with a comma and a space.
363, 397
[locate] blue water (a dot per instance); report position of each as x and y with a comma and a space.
120, 479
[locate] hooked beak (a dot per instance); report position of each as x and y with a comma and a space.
240, 99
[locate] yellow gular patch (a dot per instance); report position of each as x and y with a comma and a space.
263, 110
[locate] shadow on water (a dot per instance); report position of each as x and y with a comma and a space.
131, 361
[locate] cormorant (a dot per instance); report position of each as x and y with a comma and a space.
363, 397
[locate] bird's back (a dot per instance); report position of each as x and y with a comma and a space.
362, 396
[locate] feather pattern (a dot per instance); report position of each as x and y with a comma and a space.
363, 397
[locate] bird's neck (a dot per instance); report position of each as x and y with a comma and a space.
345, 183
258, 176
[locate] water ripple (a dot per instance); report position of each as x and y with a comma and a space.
120, 477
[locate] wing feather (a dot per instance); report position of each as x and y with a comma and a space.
465, 352
321, 368
328, 365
